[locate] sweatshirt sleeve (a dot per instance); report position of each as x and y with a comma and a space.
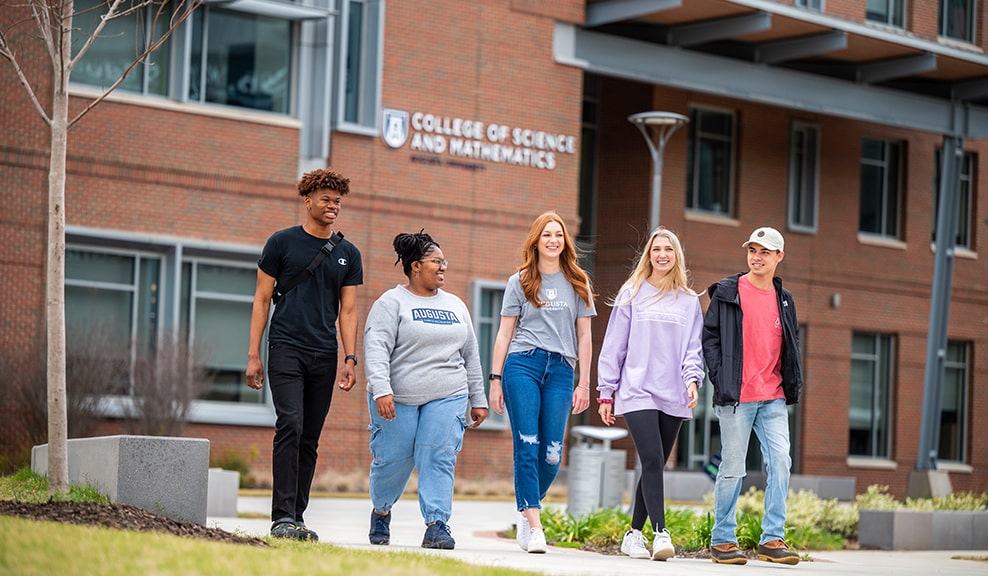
380, 334
614, 349
693, 357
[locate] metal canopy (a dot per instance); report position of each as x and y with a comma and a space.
784, 55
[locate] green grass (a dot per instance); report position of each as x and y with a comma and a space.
29, 548
26, 486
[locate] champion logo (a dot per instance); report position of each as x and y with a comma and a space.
342, 261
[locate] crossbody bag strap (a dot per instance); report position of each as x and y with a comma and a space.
325, 251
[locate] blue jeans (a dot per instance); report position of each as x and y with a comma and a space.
770, 421
427, 437
538, 396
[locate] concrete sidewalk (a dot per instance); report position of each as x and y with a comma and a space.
345, 522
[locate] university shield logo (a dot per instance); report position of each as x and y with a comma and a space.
395, 127
550, 293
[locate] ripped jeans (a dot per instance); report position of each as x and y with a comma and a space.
538, 396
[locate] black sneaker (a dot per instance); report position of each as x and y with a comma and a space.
727, 554
290, 531
777, 551
380, 529
438, 536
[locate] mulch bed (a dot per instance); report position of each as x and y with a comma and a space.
121, 516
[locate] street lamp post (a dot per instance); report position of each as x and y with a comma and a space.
657, 128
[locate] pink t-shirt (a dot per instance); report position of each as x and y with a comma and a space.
761, 375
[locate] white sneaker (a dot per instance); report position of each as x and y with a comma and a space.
523, 532
634, 545
536, 544
662, 546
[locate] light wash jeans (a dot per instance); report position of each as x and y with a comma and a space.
538, 396
427, 437
770, 421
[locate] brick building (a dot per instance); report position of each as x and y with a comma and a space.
468, 119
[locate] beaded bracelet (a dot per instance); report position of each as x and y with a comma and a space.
605, 400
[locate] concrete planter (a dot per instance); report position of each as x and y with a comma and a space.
919, 530
163, 475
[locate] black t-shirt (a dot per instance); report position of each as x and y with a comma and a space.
306, 316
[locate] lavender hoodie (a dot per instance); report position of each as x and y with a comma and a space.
651, 352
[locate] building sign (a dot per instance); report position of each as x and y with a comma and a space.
473, 140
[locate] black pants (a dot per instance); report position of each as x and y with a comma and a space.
654, 433
302, 385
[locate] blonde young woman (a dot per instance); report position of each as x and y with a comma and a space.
544, 332
649, 370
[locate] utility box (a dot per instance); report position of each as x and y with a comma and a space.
597, 475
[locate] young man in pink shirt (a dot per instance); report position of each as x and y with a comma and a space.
751, 348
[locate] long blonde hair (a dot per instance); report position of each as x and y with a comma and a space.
531, 280
677, 279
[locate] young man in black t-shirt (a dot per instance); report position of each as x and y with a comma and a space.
302, 340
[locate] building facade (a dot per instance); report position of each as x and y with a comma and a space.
824, 119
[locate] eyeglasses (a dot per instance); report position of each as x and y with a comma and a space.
441, 262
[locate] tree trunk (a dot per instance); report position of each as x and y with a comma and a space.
58, 469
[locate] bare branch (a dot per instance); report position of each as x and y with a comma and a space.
110, 14
182, 12
8, 54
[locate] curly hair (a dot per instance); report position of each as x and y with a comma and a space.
322, 179
531, 280
412, 247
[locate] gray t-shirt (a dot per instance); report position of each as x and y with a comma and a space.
422, 349
551, 327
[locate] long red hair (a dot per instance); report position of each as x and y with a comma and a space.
531, 280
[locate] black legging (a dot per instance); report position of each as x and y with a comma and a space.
654, 433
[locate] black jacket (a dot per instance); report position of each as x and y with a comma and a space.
722, 342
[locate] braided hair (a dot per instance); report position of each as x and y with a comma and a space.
412, 247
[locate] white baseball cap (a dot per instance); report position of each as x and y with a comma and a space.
767, 237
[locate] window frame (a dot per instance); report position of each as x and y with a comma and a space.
968, 192
963, 366
693, 174
173, 254
371, 66
490, 324
811, 4
799, 196
972, 18
888, 215
882, 360
894, 14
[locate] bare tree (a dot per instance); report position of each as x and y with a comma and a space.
165, 386
51, 24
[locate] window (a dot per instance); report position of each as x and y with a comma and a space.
125, 301
241, 59
814, 4
216, 304
871, 387
885, 12
965, 210
486, 311
112, 308
116, 49
953, 404
362, 25
587, 235
266, 55
804, 170
699, 438
957, 19
880, 193
710, 162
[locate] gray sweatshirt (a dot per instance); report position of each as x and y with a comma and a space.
421, 349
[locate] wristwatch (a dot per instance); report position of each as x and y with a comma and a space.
351, 357
494, 376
